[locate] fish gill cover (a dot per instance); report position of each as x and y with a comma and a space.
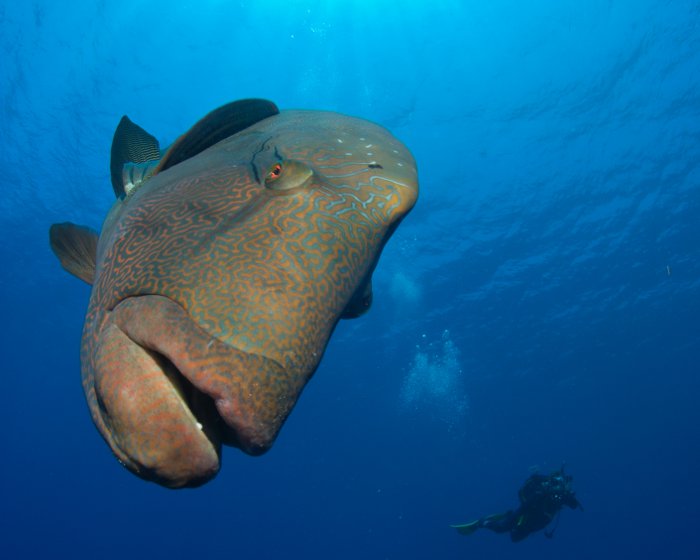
539, 305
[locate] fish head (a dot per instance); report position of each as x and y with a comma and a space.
220, 279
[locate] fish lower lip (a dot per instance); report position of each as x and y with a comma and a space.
140, 405
250, 410
201, 405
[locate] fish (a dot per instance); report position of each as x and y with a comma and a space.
220, 273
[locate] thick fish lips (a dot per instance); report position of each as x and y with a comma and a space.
170, 394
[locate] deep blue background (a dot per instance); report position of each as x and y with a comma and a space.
539, 305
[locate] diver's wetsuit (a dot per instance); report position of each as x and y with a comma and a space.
541, 498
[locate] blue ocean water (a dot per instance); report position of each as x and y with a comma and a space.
540, 304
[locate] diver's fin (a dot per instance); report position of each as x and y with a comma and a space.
494, 518
217, 125
135, 154
467, 528
76, 248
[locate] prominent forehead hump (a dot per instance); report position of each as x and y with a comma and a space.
323, 139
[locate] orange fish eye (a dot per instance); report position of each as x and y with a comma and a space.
275, 172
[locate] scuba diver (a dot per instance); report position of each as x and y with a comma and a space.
541, 499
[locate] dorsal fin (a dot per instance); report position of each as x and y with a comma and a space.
76, 248
217, 125
131, 144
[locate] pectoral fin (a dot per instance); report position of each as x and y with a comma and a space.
76, 248
135, 150
361, 300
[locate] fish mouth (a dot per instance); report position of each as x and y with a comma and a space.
169, 394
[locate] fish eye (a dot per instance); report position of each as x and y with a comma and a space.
274, 172
288, 175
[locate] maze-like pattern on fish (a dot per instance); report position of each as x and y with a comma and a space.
265, 275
